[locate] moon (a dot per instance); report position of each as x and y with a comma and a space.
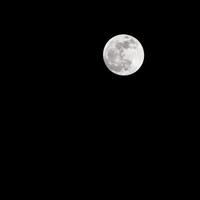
123, 54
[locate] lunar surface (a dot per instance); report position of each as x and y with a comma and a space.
123, 54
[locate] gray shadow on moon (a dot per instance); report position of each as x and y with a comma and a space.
112, 67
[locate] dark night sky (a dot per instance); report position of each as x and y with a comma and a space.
81, 118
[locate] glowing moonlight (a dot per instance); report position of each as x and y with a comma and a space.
123, 54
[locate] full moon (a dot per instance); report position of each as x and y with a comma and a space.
123, 54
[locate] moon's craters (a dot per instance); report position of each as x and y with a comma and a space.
123, 54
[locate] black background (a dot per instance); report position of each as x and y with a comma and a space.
72, 117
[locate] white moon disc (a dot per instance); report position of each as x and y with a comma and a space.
123, 54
